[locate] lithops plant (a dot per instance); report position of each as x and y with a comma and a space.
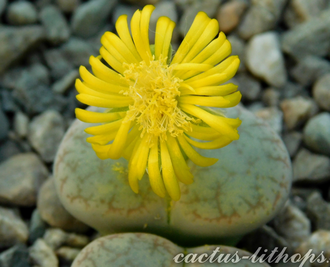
147, 250
243, 190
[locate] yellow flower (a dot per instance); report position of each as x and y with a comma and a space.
158, 106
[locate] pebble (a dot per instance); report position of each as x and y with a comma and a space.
42, 255
309, 69
318, 242
37, 227
45, 134
8, 102
21, 124
122, 9
68, 253
273, 116
58, 63
52, 211
309, 38
292, 224
210, 7
4, 129
68, 6
20, 179
291, 90
8, 149
57, 29
317, 133
61, 86
143, 2
299, 11
21, 13
230, 13
22, 38
292, 141
310, 167
271, 97
262, 16
55, 238
318, 211
248, 86
321, 92
296, 111
90, 17
265, 60
238, 48
13, 230
3, 4
16, 256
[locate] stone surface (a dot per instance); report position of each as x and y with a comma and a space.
292, 141
318, 211
296, 111
98, 192
90, 17
62, 85
37, 227
238, 48
52, 211
317, 133
55, 238
271, 97
273, 116
3, 4
21, 124
16, 41
262, 16
42, 255
58, 63
20, 179
45, 134
12, 228
4, 125
229, 14
321, 92
8, 149
68, 6
67, 253
248, 86
21, 13
57, 29
311, 167
16, 256
309, 69
265, 60
309, 38
293, 225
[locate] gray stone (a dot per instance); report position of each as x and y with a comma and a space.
90, 17
78, 52
271, 97
40, 72
290, 90
273, 116
292, 142
16, 41
121, 9
21, 124
37, 227
62, 85
68, 6
317, 133
210, 7
42, 3
45, 134
42, 255
318, 211
309, 38
238, 48
309, 69
17, 256
67, 253
8, 149
293, 225
297, 110
55, 238
262, 16
248, 86
321, 92
57, 29
58, 63
3, 4
8, 102
20, 179
229, 14
21, 13
4, 125
12, 228
52, 211
265, 60
310, 167
299, 11
143, 2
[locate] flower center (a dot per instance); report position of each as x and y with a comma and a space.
155, 91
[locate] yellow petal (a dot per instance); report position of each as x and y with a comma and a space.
170, 181
119, 142
113, 102
161, 28
220, 90
102, 139
105, 128
132, 177
111, 60
214, 101
139, 159
101, 151
144, 27
203, 133
193, 155
213, 79
215, 144
96, 117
